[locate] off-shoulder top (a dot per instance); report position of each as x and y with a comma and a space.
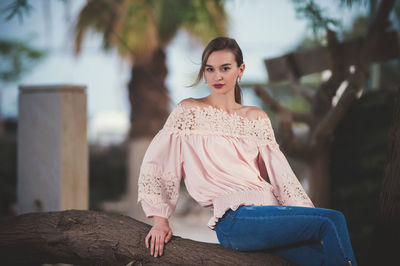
226, 160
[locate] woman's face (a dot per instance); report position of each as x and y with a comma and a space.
221, 71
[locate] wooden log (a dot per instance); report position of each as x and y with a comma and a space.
96, 238
316, 59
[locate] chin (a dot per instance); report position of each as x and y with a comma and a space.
220, 91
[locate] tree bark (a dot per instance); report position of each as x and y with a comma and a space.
95, 238
386, 238
320, 177
1, 117
148, 95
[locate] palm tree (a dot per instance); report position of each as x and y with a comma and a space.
141, 30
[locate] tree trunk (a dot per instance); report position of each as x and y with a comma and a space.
320, 178
386, 239
95, 238
2, 131
149, 100
148, 95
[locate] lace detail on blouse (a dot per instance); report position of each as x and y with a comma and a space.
290, 190
212, 120
156, 186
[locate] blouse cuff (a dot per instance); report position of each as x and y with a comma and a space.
162, 210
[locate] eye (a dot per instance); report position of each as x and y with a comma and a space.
209, 69
226, 68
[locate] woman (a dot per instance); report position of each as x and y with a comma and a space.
231, 162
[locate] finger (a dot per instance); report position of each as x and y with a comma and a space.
152, 245
161, 245
157, 244
146, 240
168, 237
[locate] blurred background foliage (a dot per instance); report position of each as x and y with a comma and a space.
137, 28
17, 58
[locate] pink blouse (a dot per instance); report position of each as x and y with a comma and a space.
226, 160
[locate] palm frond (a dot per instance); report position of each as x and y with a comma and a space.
316, 16
206, 19
137, 27
99, 16
17, 58
17, 7
170, 16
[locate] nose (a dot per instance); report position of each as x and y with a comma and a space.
218, 76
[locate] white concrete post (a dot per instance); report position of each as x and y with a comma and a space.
52, 149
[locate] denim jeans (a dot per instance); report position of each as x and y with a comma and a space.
292, 232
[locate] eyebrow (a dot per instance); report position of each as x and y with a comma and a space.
227, 64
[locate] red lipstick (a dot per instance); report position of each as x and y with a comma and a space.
218, 86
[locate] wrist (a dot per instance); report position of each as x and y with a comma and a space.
158, 220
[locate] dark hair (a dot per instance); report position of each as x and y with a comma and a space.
222, 43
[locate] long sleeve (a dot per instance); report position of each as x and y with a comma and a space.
275, 167
286, 187
160, 175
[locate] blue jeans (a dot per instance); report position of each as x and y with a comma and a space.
291, 232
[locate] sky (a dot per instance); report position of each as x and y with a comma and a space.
262, 28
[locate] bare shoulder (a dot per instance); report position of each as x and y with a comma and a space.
191, 102
187, 102
254, 112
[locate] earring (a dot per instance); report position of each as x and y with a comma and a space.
239, 79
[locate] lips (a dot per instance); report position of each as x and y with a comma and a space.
218, 85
